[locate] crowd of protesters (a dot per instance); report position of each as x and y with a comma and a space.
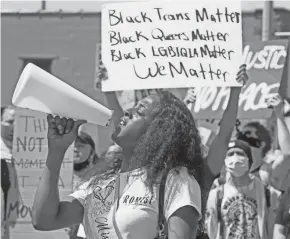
238, 188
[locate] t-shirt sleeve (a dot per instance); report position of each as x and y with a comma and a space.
181, 190
81, 193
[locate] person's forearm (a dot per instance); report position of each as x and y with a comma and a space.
114, 104
280, 232
283, 135
46, 202
218, 148
230, 115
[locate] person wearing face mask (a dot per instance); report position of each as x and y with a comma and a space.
240, 207
10, 191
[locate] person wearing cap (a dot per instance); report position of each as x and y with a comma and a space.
239, 208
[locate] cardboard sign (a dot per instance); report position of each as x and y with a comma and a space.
265, 62
151, 45
30, 152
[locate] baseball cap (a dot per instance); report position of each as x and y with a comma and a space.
242, 145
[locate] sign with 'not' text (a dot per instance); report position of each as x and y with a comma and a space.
162, 44
30, 148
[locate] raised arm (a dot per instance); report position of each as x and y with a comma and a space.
218, 148
111, 98
283, 133
281, 229
48, 213
281, 164
113, 104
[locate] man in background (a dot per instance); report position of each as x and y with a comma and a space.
9, 185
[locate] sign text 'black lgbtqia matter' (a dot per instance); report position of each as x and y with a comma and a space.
170, 45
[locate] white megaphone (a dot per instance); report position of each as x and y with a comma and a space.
40, 91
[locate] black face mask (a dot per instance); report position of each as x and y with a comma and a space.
80, 166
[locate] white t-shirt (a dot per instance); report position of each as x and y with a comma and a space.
137, 215
239, 212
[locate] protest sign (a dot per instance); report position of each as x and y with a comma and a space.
29, 152
151, 45
265, 62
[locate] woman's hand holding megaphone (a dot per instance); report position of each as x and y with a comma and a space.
62, 132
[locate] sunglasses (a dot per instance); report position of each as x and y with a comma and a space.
256, 143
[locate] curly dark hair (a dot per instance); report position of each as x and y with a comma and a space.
171, 140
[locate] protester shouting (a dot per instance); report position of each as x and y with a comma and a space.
239, 208
158, 137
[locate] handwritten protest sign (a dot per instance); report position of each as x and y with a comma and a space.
29, 152
150, 45
265, 62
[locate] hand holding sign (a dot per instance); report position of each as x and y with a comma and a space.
190, 96
62, 132
276, 103
242, 76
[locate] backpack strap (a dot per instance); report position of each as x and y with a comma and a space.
267, 196
220, 196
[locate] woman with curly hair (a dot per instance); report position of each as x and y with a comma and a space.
158, 137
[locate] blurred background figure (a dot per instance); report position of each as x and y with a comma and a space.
88, 165
282, 222
9, 184
7, 129
85, 157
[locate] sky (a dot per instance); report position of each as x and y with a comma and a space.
72, 5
